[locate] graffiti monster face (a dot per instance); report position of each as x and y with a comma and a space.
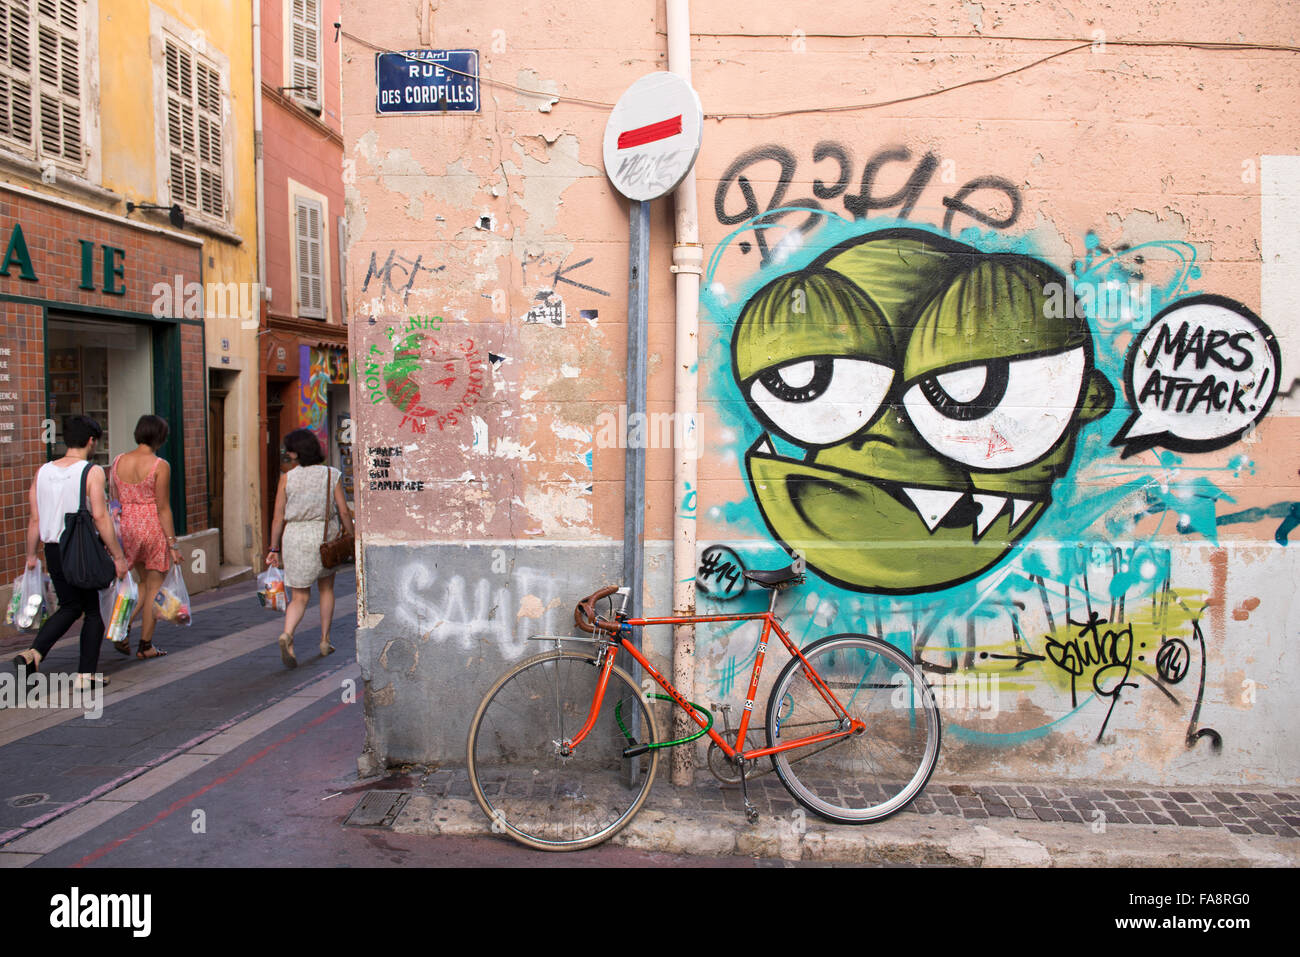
933, 401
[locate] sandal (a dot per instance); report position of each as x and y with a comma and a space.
326, 649
147, 650
286, 650
29, 661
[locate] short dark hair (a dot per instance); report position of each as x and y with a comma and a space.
304, 444
78, 430
151, 430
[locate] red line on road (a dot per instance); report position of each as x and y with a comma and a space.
649, 134
177, 805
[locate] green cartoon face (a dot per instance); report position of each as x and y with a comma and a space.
934, 400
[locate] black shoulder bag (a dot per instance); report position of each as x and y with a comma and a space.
86, 562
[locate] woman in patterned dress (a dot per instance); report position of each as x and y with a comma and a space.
141, 482
297, 531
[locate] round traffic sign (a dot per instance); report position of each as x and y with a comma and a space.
653, 136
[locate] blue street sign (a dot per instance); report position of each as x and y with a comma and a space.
427, 81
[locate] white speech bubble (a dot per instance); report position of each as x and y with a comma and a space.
1198, 376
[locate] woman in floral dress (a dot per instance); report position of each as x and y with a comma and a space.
141, 482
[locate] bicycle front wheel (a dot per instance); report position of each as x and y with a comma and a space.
527, 787
863, 777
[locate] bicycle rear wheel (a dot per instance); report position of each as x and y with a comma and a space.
863, 777
532, 792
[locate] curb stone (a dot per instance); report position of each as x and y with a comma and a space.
905, 839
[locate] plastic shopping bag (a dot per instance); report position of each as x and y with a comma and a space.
28, 608
116, 605
15, 599
172, 603
271, 591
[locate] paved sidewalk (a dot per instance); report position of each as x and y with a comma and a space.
950, 824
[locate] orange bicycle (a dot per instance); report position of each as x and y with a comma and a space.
564, 746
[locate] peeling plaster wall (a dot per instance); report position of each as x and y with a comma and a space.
1119, 607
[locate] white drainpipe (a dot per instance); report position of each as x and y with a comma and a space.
257, 154
688, 260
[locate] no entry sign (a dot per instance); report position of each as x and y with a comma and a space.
653, 136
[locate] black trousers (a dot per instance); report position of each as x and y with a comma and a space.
73, 603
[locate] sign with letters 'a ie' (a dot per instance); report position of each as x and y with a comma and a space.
427, 81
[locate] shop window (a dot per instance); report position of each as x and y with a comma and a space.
41, 109
195, 132
309, 258
305, 58
103, 370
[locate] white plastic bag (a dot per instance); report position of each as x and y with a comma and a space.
172, 603
29, 605
271, 591
116, 605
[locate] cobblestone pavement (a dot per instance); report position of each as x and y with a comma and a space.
1274, 813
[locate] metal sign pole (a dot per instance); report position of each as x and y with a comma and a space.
638, 289
651, 141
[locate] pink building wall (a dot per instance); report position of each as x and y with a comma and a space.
301, 146
1149, 171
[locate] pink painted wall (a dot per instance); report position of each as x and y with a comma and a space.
1126, 137
301, 146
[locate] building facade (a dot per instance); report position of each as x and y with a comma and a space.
126, 191
997, 327
303, 344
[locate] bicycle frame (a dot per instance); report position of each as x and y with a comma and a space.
770, 625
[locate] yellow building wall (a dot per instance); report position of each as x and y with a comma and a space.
129, 138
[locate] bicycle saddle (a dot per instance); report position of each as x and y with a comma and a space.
777, 577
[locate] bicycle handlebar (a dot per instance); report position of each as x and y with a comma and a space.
584, 616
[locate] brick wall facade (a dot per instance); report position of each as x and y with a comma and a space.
52, 233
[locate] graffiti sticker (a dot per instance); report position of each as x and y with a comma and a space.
1202, 373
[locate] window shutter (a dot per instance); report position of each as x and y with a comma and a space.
195, 126
306, 51
182, 153
16, 72
59, 79
211, 174
309, 243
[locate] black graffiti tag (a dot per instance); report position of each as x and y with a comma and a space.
1108, 650
753, 165
721, 574
385, 273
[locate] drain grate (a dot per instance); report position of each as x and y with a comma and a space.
378, 809
28, 800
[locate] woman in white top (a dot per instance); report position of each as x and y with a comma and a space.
301, 502
54, 495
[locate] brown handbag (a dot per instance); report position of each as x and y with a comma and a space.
336, 551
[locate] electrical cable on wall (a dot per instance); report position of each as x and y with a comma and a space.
1080, 44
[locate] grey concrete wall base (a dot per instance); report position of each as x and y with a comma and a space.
442, 622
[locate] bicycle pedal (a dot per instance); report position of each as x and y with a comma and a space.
751, 815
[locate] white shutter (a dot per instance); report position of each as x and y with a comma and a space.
310, 258
306, 64
181, 148
59, 80
211, 173
16, 72
195, 127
